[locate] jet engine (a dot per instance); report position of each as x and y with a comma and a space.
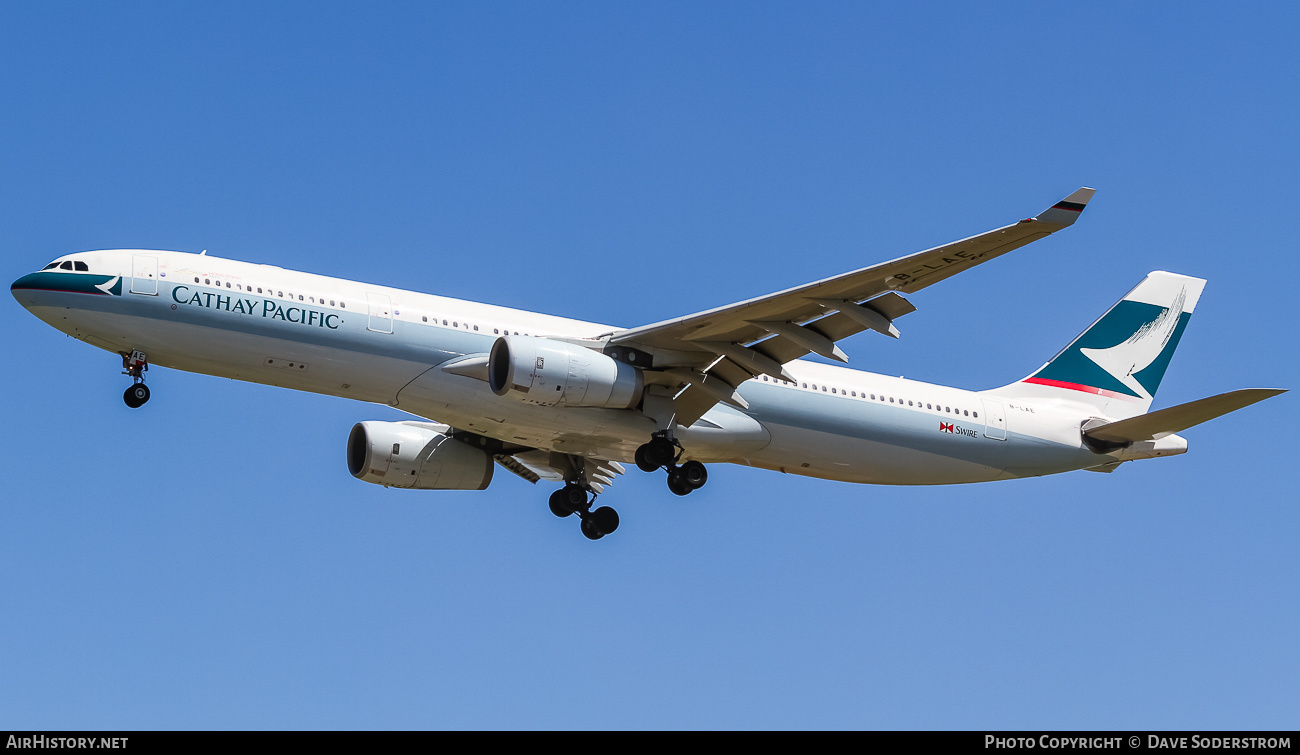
416, 455
554, 373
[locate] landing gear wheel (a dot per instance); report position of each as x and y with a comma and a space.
590, 530
643, 461
599, 523
659, 452
678, 484
605, 519
136, 395
567, 500
694, 474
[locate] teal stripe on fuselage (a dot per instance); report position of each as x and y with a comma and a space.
68, 282
415, 342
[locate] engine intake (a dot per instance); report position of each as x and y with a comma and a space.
554, 373
416, 455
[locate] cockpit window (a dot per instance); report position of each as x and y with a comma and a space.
77, 265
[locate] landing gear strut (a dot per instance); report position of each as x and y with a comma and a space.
135, 364
575, 499
663, 451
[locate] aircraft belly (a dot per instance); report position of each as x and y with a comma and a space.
1035, 457
798, 450
469, 404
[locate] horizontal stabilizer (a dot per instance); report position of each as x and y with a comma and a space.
1158, 424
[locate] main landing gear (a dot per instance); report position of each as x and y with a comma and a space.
663, 452
575, 499
135, 364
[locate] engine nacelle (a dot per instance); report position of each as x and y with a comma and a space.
416, 455
554, 373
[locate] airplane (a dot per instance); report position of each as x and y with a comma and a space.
550, 398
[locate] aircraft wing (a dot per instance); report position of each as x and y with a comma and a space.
710, 353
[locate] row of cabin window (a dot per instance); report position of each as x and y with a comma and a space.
456, 324
917, 404
269, 292
312, 299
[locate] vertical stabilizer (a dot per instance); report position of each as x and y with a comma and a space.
1117, 364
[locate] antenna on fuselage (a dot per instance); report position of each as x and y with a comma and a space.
205, 251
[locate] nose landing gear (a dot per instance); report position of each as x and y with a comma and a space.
135, 364
663, 451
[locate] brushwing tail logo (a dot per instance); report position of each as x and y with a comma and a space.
1129, 357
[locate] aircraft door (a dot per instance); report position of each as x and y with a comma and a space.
381, 312
995, 420
144, 275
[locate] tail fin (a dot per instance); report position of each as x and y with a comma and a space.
1117, 364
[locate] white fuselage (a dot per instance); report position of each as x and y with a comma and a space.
307, 332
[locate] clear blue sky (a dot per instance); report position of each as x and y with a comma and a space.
207, 561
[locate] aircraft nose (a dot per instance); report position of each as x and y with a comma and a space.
24, 283
20, 288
